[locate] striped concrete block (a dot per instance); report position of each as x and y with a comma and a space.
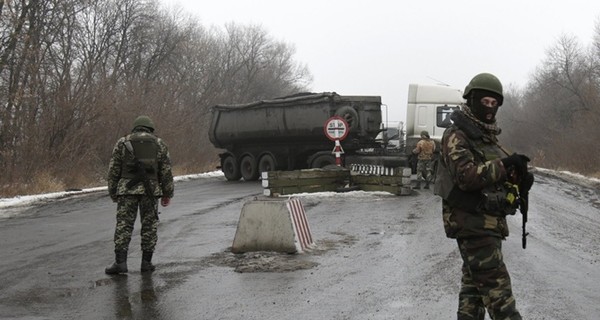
272, 224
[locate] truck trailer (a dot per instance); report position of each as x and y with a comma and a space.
288, 133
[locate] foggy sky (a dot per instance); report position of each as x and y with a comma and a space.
378, 47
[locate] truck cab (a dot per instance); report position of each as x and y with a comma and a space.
429, 108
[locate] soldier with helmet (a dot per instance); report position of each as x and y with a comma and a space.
139, 174
476, 179
424, 151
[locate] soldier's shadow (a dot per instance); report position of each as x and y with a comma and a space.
133, 304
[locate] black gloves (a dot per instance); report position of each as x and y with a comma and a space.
518, 162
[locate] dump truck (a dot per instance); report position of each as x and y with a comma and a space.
288, 133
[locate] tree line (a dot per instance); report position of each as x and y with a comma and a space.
555, 117
74, 74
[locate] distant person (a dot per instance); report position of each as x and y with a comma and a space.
477, 180
138, 175
424, 151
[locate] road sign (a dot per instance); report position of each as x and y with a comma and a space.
336, 128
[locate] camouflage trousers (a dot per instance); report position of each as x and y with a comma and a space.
127, 208
425, 170
485, 281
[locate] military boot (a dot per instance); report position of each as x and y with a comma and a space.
418, 186
426, 185
147, 262
120, 264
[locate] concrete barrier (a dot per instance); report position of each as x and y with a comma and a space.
272, 224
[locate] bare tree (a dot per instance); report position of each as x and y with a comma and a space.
74, 74
555, 114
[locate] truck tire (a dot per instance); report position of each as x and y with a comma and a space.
231, 169
323, 161
266, 163
249, 168
350, 115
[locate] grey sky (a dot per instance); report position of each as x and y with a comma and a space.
378, 47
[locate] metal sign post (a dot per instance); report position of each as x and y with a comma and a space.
337, 150
336, 129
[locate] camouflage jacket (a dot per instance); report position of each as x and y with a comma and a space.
425, 149
117, 185
473, 161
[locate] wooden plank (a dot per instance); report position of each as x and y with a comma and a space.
397, 190
306, 174
380, 180
319, 180
276, 183
300, 189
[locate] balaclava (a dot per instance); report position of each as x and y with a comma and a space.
478, 109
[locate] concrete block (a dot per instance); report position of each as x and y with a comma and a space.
272, 224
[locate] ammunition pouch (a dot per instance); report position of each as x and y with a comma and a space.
138, 170
501, 201
446, 188
498, 200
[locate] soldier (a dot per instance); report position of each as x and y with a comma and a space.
139, 173
424, 151
475, 180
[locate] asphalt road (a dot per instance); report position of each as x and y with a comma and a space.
376, 256
54, 254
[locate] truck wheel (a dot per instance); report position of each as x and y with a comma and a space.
230, 169
266, 163
248, 168
322, 161
350, 115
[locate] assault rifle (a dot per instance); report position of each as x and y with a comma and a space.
524, 180
524, 187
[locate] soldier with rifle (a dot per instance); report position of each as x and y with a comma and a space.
139, 174
480, 184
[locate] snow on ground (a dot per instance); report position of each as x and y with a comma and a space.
20, 201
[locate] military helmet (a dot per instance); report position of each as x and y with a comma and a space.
485, 81
424, 133
144, 121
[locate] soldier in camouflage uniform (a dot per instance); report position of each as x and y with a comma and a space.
424, 151
474, 180
139, 174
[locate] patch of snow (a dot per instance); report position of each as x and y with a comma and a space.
331, 194
571, 177
25, 200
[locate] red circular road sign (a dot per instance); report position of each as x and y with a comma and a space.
336, 128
